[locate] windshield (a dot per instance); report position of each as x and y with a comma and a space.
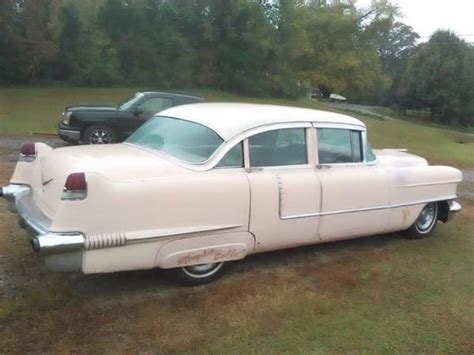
185, 140
130, 102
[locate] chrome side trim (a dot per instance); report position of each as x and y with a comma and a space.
101, 241
374, 208
430, 183
56, 243
118, 239
152, 235
280, 195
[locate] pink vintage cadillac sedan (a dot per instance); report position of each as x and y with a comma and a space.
203, 184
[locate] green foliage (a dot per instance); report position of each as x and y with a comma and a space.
440, 77
88, 70
27, 44
274, 48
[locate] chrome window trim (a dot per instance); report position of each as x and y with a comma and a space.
353, 127
313, 159
231, 167
366, 209
281, 167
220, 151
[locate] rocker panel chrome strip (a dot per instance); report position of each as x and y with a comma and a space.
329, 213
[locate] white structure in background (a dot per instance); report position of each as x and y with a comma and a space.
337, 98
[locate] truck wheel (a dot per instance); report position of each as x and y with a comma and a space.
98, 134
425, 223
198, 274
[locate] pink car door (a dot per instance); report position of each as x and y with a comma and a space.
355, 193
284, 190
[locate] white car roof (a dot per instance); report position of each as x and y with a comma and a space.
230, 119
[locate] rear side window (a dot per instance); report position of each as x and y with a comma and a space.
233, 158
278, 148
337, 145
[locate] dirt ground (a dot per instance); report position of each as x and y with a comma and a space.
143, 311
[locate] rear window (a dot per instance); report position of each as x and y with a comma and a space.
185, 140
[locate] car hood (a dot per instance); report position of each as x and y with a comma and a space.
89, 108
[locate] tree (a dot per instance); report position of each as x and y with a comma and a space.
340, 59
27, 45
440, 76
254, 47
69, 41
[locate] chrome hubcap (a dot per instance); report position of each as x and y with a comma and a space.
427, 217
202, 270
100, 136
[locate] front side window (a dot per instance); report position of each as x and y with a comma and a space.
337, 145
278, 148
185, 140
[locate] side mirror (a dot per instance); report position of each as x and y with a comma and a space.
138, 111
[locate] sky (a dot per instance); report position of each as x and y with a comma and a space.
426, 16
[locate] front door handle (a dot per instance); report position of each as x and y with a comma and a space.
249, 170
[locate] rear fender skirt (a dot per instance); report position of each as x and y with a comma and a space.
205, 249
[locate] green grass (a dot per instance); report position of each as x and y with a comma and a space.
423, 121
383, 294
27, 110
415, 299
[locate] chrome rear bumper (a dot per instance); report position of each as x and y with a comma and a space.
12, 192
63, 249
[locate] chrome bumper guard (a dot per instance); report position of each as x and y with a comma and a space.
63, 250
54, 243
12, 192
454, 207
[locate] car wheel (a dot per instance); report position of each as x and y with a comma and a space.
201, 274
99, 135
425, 223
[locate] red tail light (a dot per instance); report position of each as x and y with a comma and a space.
75, 187
28, 151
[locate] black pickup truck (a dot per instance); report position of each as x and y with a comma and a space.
111, 124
